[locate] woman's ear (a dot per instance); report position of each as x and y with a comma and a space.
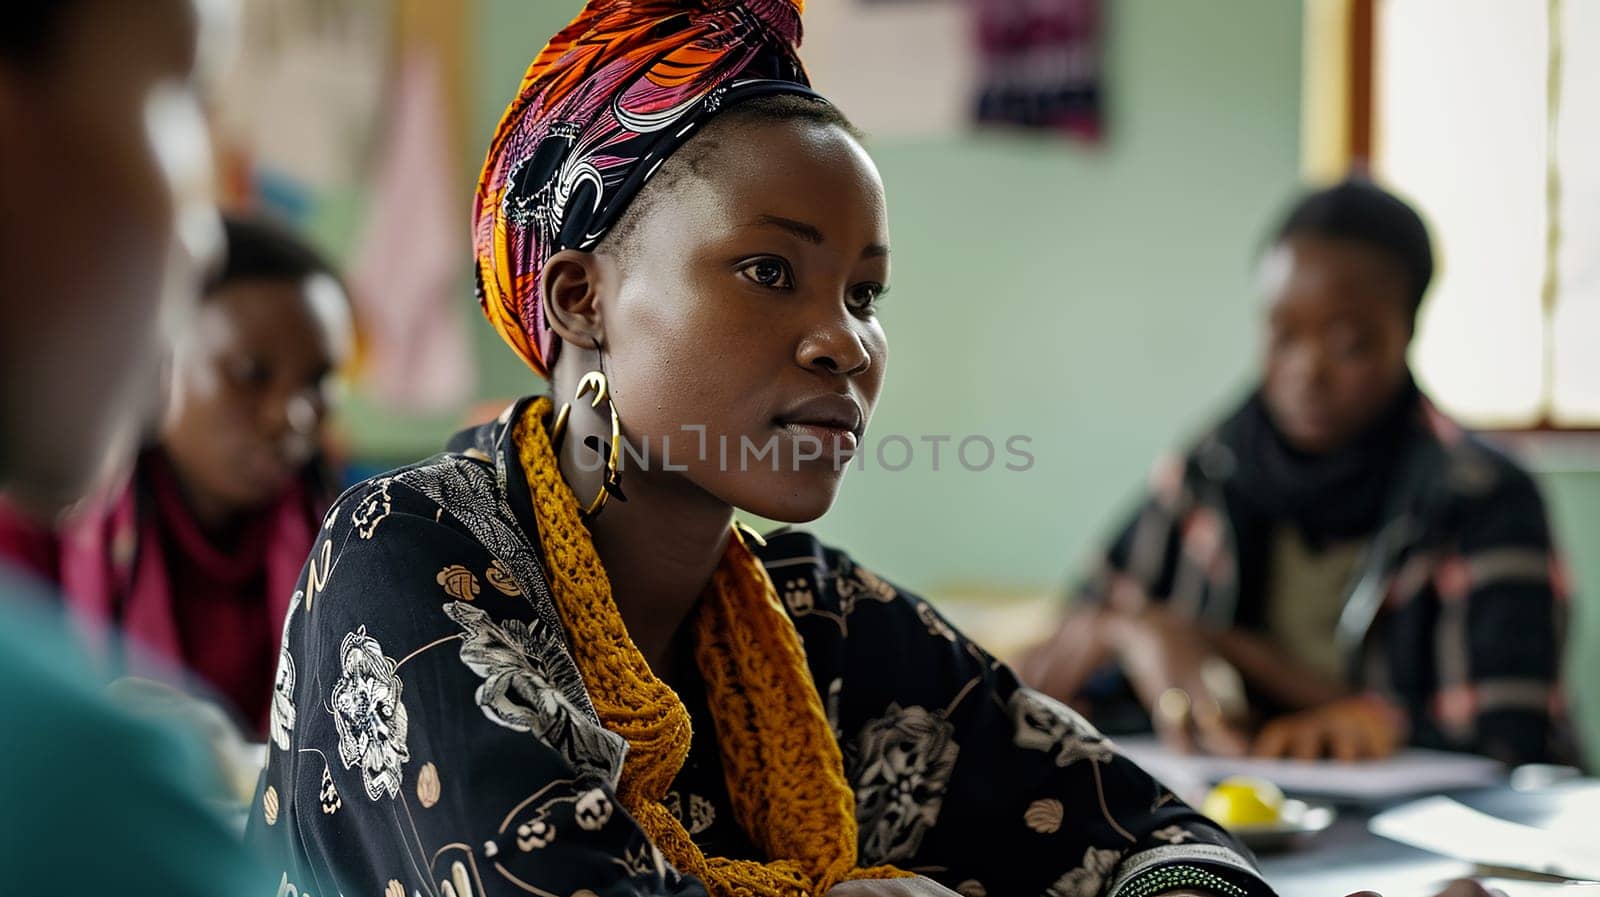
570, 290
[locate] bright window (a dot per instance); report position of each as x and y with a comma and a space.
1463, 126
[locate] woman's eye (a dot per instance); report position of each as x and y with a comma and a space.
770, 273
864, 298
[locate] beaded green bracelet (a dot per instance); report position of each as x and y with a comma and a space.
1177, 878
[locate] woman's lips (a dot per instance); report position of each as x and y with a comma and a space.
830, 424
831, 441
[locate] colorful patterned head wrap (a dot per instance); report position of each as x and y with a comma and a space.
606, 102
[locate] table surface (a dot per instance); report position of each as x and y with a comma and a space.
1348, 858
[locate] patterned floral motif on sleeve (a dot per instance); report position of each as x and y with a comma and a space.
518, 663
280, 722
368, 714
1045, 724
900, 765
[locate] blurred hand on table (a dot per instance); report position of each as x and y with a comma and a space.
1189, 679
1062, 663
1348, 730
1195, 697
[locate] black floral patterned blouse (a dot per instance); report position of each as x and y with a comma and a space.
431, 736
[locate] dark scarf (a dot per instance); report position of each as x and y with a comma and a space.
1334, 497
1343, 494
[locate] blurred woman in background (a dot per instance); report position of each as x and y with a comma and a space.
1377, 575
195, 556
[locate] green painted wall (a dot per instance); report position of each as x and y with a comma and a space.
1574, 500
1095, 300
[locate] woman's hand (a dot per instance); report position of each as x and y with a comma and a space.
1196, 699
1061, 664
1364, 727
891, 887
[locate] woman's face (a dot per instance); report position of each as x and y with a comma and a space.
1339, 322
250, 387
105, 175
743, 308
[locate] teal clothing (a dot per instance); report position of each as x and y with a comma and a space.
92, 800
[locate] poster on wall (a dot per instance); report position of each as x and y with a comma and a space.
933, 68
898, 68
1040, 65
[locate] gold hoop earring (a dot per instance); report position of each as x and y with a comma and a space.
612, 485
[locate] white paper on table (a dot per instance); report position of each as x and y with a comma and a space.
1410, 772
1443, 826
1516, 887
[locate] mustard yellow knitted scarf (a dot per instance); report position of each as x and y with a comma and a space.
783, 767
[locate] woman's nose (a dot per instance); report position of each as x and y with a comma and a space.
836, 348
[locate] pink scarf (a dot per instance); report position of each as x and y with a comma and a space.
113, 567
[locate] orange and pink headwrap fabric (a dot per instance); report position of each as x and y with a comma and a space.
606, 102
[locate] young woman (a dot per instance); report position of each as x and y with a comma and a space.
195, 555
1377, 575
530, 666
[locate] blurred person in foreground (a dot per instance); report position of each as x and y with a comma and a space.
1337, 569
104, 176
194, 556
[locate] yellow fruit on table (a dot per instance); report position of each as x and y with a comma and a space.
1242, 802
